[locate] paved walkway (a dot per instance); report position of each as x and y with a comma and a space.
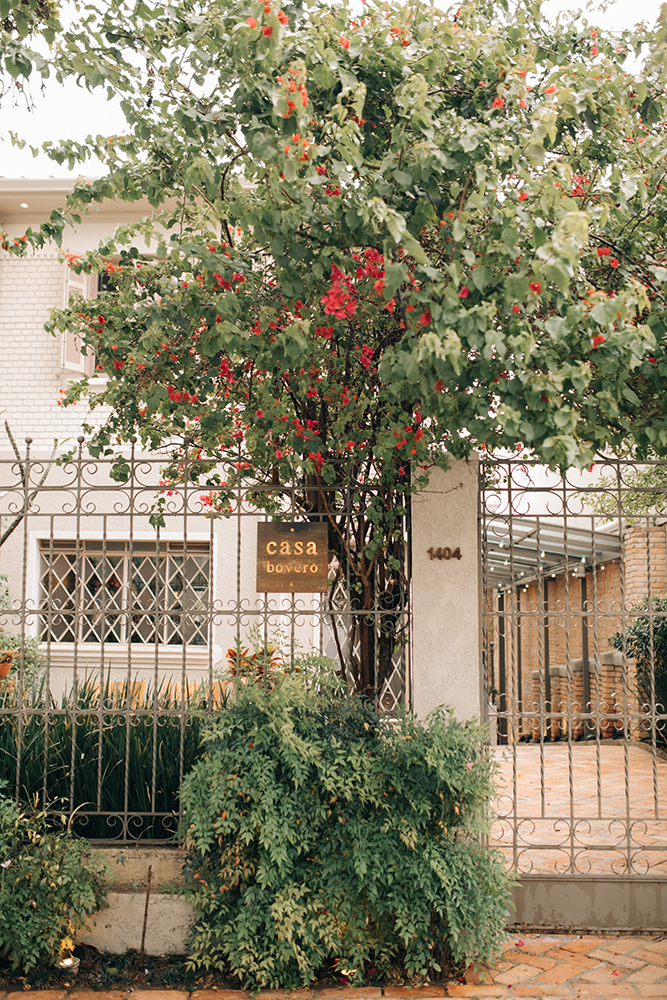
535, 967
582, 808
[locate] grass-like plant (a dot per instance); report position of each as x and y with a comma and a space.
318, 832
115, 754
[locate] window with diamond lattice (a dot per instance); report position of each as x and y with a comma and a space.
117, 592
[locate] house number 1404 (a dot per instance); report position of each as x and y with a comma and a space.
445, 553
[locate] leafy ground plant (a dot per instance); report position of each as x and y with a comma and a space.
50, 883
645, 639
318, 832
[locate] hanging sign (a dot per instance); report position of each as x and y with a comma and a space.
292, 557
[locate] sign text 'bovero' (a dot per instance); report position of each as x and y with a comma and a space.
292, 557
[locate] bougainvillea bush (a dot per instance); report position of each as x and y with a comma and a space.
321, 836
381, 238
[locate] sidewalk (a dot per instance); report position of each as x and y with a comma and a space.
535, 967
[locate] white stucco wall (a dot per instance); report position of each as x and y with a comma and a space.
445, 594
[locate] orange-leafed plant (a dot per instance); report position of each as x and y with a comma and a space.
258, 666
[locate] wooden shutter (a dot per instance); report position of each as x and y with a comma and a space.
74, 356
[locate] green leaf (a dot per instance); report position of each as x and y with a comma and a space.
481, 276
510, 236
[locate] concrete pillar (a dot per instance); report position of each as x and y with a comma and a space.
445, 594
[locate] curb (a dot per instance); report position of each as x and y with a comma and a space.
324, 993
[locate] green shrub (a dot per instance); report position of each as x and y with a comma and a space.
645, 640
318, 832
49, 884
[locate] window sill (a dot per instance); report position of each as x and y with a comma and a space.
97, 382
93, 657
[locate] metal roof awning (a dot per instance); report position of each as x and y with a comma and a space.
517, 550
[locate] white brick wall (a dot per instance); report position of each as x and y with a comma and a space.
30, 373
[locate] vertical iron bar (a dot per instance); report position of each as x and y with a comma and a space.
585, 666
502, 681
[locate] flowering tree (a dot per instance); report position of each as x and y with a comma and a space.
381, 241
22, 21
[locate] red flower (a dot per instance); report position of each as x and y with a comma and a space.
603, 251
425, 318
282, 17
550, 90
599, 339
523, 196
464, 292
535, 286
594, 50
498, 102
252, 22
267, 30
516, 308
345, 42
613, 262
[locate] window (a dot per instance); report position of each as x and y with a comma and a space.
75, 357
115, 592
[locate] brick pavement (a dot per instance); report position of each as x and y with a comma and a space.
615, 806
532, 967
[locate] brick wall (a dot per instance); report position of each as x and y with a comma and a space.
645, 561
31, 374
612, 592
612, 683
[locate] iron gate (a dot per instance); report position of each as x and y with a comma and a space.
574, 576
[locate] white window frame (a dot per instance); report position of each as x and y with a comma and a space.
39, 542
74, 357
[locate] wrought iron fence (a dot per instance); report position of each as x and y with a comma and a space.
119, 627
574, 572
